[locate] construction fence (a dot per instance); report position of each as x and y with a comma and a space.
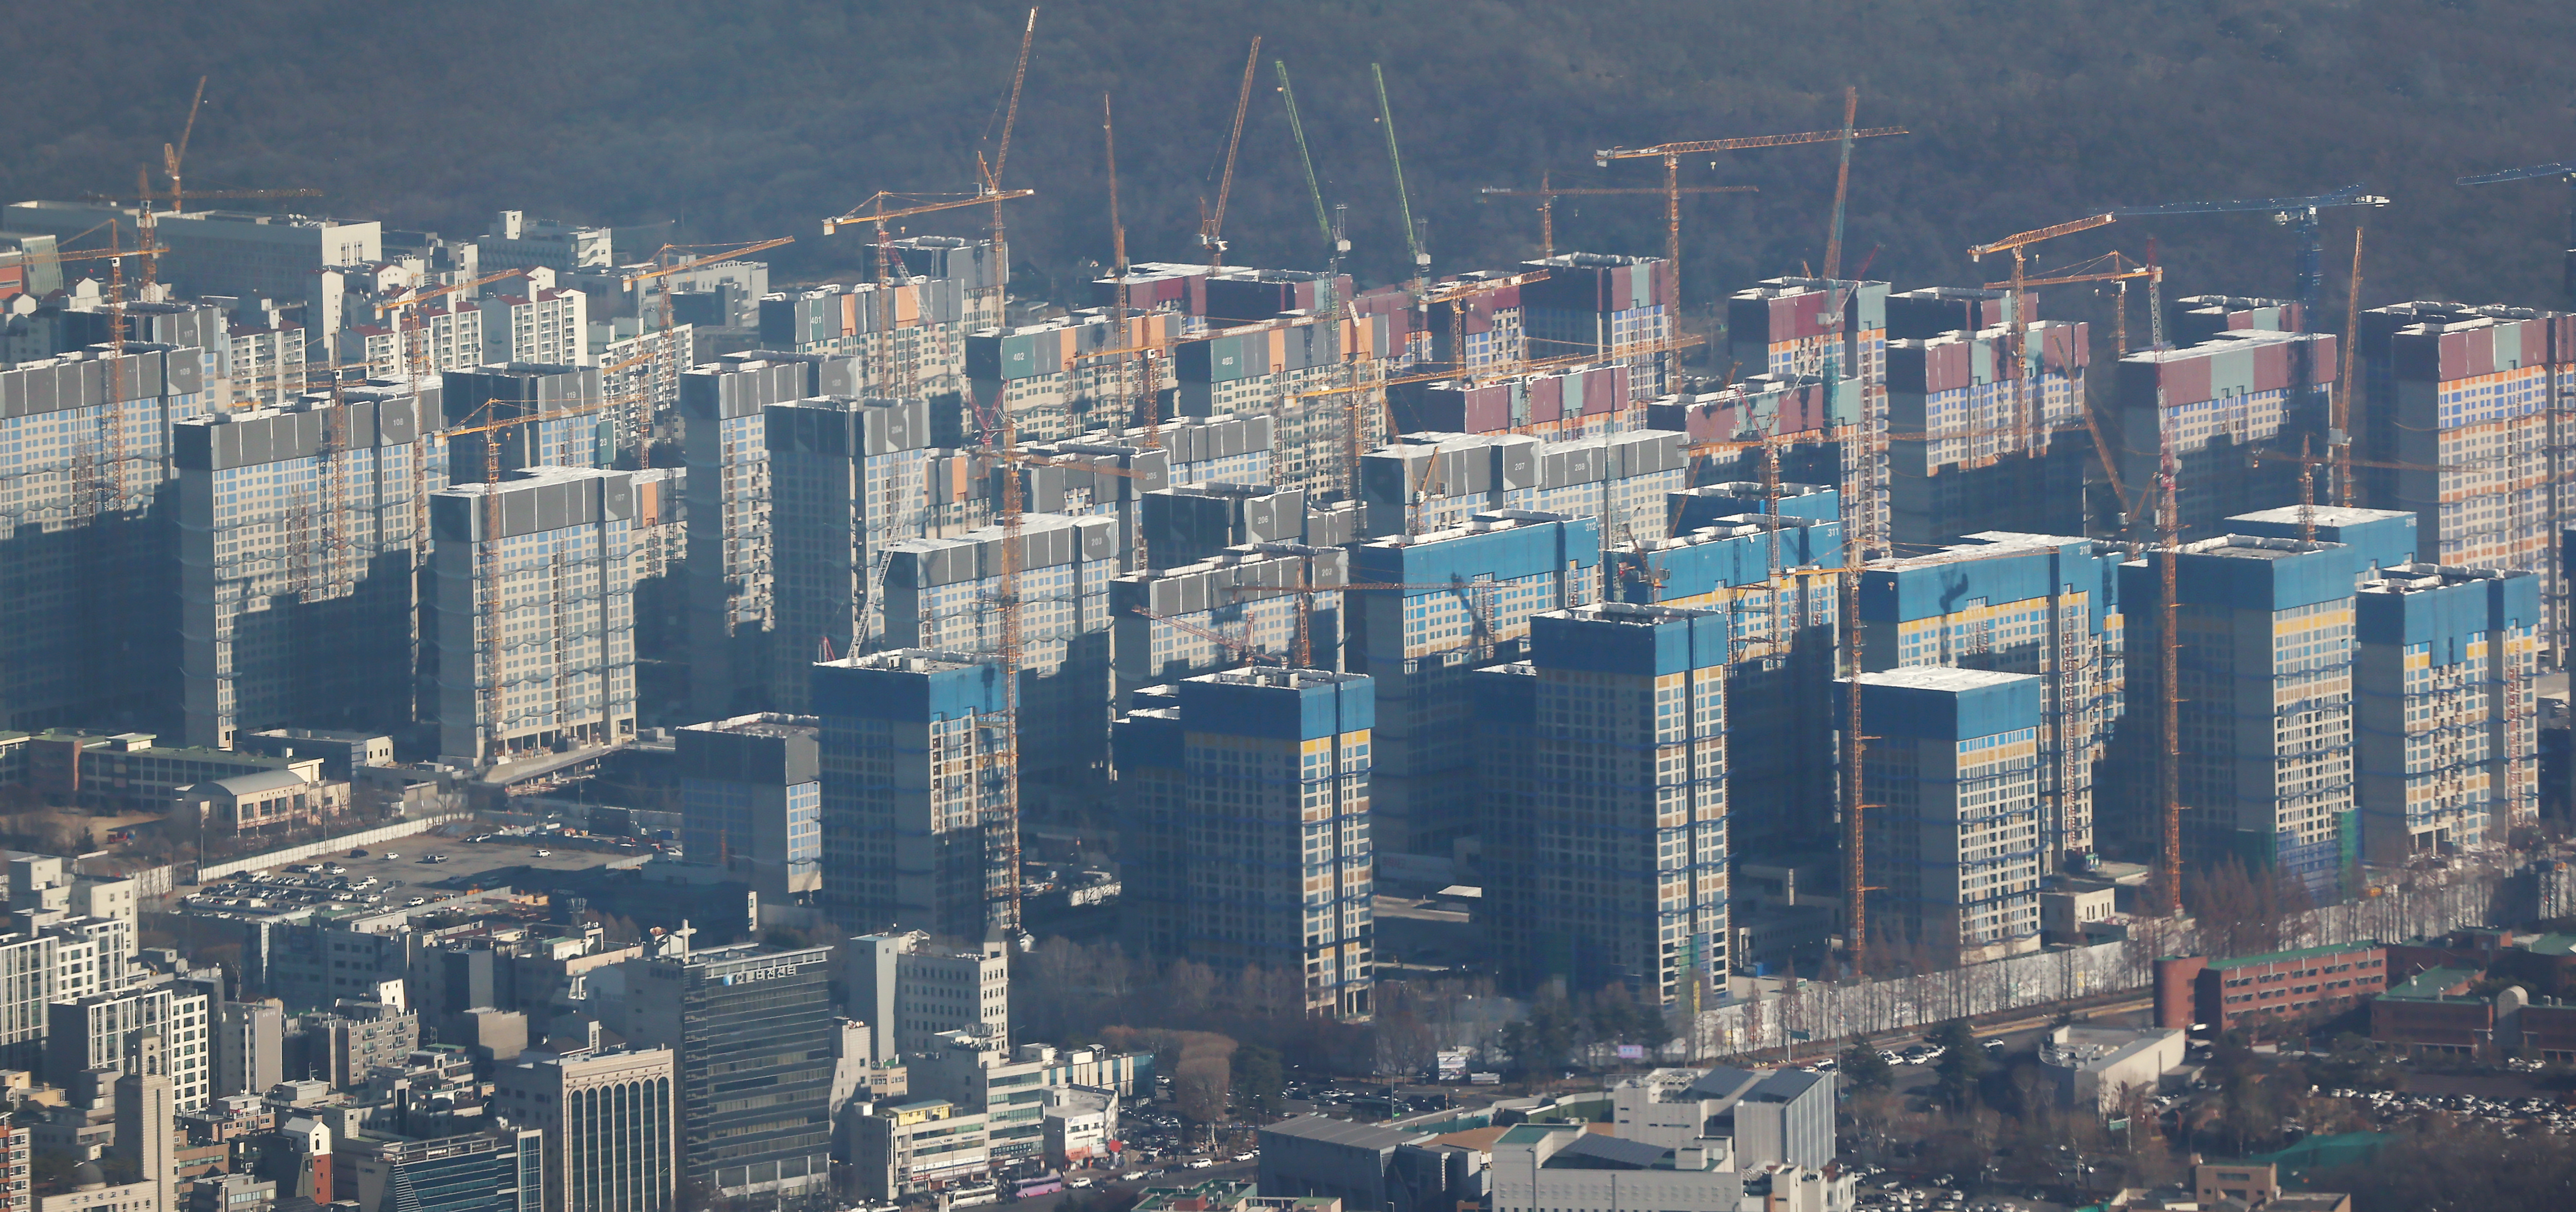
1811, 1015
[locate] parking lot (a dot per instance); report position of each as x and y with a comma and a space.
401, 870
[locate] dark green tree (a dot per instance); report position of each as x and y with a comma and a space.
1544, 1040
1612, 1016
51, 1170
1258, 1078
1864, 1069
1962, 1063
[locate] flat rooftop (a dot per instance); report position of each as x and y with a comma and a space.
2251, 547
2420, 577
767, 723
911, 660
2326, 515
1939, 677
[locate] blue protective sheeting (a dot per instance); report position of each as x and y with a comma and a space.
1922, 702
1303, 705
1626, 639
880, 690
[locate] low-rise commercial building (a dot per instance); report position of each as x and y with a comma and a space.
2436, 1012
269, 802
1539, 1167
470, 1173
913, 1146
1080, 1124
2097, 1068
1312, 1155
1775, 1115
1012, 1089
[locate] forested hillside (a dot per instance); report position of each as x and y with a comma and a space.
745, 120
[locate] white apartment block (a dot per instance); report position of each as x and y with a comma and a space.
535, 612
518, 240
267, 364
53, 964
428, 339
548, 324
99, 1031
287, 517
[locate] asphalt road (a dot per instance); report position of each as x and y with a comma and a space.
1106, 1180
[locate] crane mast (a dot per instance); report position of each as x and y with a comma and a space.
1334, 245
1212, 236
1403, 203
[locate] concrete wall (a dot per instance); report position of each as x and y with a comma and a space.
2437, 904
328, 846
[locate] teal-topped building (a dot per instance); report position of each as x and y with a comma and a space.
2043, 605
920, 803
2265, 665
1954, 837
1249, 841
2446, 726
1773, 572
1603, 781
1424, 612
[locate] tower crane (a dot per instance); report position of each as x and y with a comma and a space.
1547, 194
2565, 171
884, 207
1249, 650
2114, 268
1212, 226
1335, 243
147, 252
1671, 154
147, 195
2015, 244
1455, 296
666, 391
991, 178
413, 298
1403, 202
2300, 215
875, 208
731, 252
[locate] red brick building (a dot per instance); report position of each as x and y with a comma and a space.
2549, 1031
2434, 1012
2226, 993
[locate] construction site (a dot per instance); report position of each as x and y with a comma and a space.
1907, 589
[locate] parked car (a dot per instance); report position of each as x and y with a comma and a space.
360, 852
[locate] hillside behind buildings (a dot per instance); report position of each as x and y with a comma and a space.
758, 119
